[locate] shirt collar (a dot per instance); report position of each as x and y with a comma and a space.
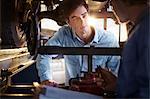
95, 39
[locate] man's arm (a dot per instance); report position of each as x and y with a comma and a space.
43, 63
43, 67
113, 62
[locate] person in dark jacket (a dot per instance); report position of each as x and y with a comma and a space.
134, 74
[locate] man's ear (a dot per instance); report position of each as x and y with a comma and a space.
67, 21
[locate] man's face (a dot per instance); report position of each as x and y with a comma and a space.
78, 20
120, 11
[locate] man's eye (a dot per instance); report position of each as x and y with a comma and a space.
76, 19
84, 15
73, 18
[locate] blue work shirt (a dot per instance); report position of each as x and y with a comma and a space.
65, 37
134, 72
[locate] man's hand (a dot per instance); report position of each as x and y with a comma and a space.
49, 83
109, 78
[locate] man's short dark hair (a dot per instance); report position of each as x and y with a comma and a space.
70, 5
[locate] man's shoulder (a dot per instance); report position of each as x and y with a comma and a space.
64, 28
105, 37
64, 31
103, 33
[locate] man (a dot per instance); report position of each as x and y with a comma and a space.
134, 75
78, 33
